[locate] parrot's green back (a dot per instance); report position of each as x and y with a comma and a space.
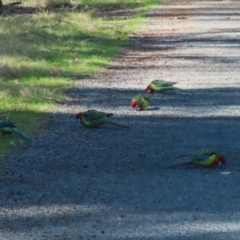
207, 152
162, 83
144, 102
93, 118
162, 86
94, 114
140, 97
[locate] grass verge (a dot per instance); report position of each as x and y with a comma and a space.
41, 54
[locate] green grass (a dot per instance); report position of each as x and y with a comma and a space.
42, 54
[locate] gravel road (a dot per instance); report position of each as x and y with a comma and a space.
109, 183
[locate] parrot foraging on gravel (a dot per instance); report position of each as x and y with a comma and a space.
204, 158
94, 118
139, 100
7, 127
161, 86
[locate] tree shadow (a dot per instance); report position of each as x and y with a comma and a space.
123, 178
178, 12
186, 98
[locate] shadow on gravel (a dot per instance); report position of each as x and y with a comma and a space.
153, 44
122, 176
208, 99
196, 11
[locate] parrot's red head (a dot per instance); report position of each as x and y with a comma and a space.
149, 88
133, 104
219, 161
78, 116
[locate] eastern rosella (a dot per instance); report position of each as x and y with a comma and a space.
139, 100
160, 86
94, 118
204, 158
7, 127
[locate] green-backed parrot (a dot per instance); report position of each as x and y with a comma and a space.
7, 127
204, 158
161, 86
140, 101
94, 118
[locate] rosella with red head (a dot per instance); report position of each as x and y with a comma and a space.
220, 160
94, 118
140, 101
204, 158
160, 86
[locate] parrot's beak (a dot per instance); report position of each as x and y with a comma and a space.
149, 89
222, 159
133, 104
78, 116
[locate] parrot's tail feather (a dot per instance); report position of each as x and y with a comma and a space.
180, 89
119, 125
183, 163
19, 134
186, 157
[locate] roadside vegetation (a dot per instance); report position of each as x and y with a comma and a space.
47, 44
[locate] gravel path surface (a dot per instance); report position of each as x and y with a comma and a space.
109, 183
